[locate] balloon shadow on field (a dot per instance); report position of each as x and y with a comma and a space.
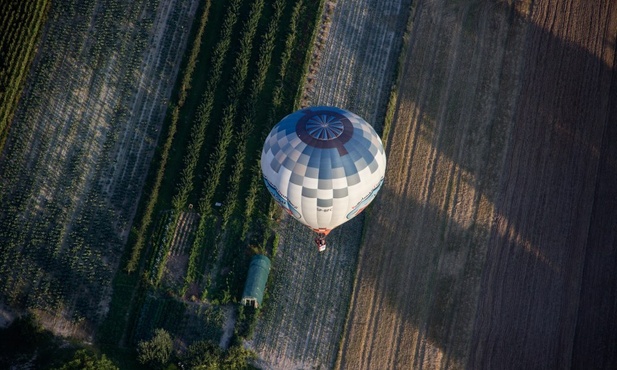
526, 116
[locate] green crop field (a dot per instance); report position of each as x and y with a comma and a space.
77, 148
242, 73
20, 28
131, 196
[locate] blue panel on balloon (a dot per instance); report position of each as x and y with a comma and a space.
276, 166
324, 203
309, 193
340, 193
296, 179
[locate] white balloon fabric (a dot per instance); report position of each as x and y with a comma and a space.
323, 165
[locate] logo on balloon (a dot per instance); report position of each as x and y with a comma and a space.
282, 200
364, 202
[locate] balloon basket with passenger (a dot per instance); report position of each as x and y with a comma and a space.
320, 241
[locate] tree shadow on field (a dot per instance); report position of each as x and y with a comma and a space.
518, 105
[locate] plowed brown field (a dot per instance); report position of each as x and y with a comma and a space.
493, 241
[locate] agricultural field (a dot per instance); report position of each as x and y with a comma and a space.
131, 197
78, 150
492, 242
20, 26
352, 66
106, 111
205, 212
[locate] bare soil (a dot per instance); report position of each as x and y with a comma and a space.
178, 255
492, 242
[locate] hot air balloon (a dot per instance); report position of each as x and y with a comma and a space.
323, 165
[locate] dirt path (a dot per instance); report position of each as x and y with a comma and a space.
475, 247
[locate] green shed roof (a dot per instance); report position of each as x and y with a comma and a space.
256, 281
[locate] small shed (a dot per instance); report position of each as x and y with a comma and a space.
256, 281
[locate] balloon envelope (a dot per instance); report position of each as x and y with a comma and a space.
323, 165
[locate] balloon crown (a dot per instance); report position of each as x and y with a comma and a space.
324, 126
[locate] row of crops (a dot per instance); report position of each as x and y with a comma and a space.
241, 76
230, 121
20, 27
79, 148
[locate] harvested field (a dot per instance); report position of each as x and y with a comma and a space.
304, 315
492, 242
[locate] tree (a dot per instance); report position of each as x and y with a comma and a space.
237, 358
156, 351
203, 355
87, 360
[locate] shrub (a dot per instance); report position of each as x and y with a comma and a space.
156, 351
87, 360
